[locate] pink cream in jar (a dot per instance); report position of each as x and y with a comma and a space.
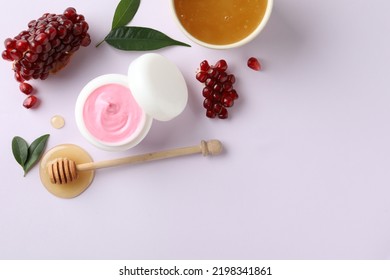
111, 113
115, 112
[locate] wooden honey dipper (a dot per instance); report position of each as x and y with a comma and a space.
63, 170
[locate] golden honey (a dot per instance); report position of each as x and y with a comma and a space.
57, 121
220, 22
72, 189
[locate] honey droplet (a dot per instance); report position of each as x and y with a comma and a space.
57, 121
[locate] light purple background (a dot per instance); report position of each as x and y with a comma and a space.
305, 173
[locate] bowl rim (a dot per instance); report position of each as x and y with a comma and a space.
240, 43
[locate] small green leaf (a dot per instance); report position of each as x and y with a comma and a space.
124, 13
20, 150
134, 38
35, 151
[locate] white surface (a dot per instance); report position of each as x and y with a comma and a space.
305, 169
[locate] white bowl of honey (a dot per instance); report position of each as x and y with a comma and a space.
221, 24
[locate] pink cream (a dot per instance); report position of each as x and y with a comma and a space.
111, 113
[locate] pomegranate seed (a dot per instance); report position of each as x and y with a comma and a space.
54, 23
17, 66
42, 39
32, 23
26, 88
217, 108
207, 91
213, 72
80, 18
227, 86
231, 78
223, 114
210, 82
201, 76
210, 114
221, 65
40, 26
15, 55
43, 56
55, 43
222, 77
84, 26
51, 32
204, 65
30, 56
35, 47
25, 77
44, 76
233, 94
227, 101
26, 68
21, 45
218, 87
68, 24
46, 48
208, 104
68, 39
254, 64
70, 13
86, 41
30, 101
216, 96
6, 55
77, 29
61, 31
9, 44
18, 77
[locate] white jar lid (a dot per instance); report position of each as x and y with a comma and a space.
158, 86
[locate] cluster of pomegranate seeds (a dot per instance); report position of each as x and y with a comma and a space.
218, 92
45, 47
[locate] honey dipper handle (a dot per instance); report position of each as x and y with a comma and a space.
212, 147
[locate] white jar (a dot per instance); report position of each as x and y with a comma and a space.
115, 112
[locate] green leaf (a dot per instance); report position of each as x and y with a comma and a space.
20, 150
35, 152
134, 38
124, 13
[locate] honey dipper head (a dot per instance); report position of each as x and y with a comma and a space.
214, 146
62, 171
211, 147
